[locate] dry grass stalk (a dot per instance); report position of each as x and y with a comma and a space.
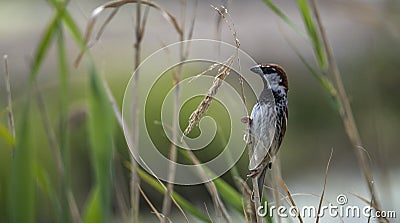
208, 213
248, 208
55, 148
291, 198
373, 205
11, 124
195, 117
211, 188
129, 166
223, 71
113, 103
76, 216
347, 115
115, 5
135, 180
139, 31
323, 191
276, 176
184, 52
160, 218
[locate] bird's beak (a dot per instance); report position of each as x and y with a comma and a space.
256, 69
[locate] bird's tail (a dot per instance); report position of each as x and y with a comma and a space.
260, 183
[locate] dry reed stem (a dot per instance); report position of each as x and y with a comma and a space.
211, 188
11, 123
151, 205
129, 166
249, 208
290, 198
135, 180
276, 175
55, 148
51, 136
371, 204
347, 116
76, 216
208, 213
114, 5
184, 51
323, 191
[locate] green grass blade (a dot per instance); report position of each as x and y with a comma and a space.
185, 204
312, 32
63, 127
101, 130
6, 135
322, 79
69, 22
93, 210
74, 31
43, 47
229, 194
43, 181
22, 183
283, 16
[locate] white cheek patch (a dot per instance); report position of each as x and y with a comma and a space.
274, 81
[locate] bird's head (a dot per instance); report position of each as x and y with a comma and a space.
273, 75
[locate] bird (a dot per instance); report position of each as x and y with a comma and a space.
267, 122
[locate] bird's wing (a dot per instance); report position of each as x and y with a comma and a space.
262, 131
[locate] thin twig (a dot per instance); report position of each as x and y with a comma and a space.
160, 218
211, 188
208, 213
293, 204
372, 205
116, 4
257, 203
55, 148
347, 116
323, 191
276, 175
113, 103
135, 180
129, 166
106, 22
76, 217
51, 136
246, 194
11, 124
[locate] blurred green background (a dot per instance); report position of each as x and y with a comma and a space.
365, 38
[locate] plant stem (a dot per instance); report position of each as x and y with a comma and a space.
11, 124
135, 180
166, 208
347, 114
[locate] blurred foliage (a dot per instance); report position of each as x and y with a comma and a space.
90, 146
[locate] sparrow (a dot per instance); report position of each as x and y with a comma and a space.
268, 120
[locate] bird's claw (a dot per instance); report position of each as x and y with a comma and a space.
253, 173
246, 120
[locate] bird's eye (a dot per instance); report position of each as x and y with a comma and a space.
268, 70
